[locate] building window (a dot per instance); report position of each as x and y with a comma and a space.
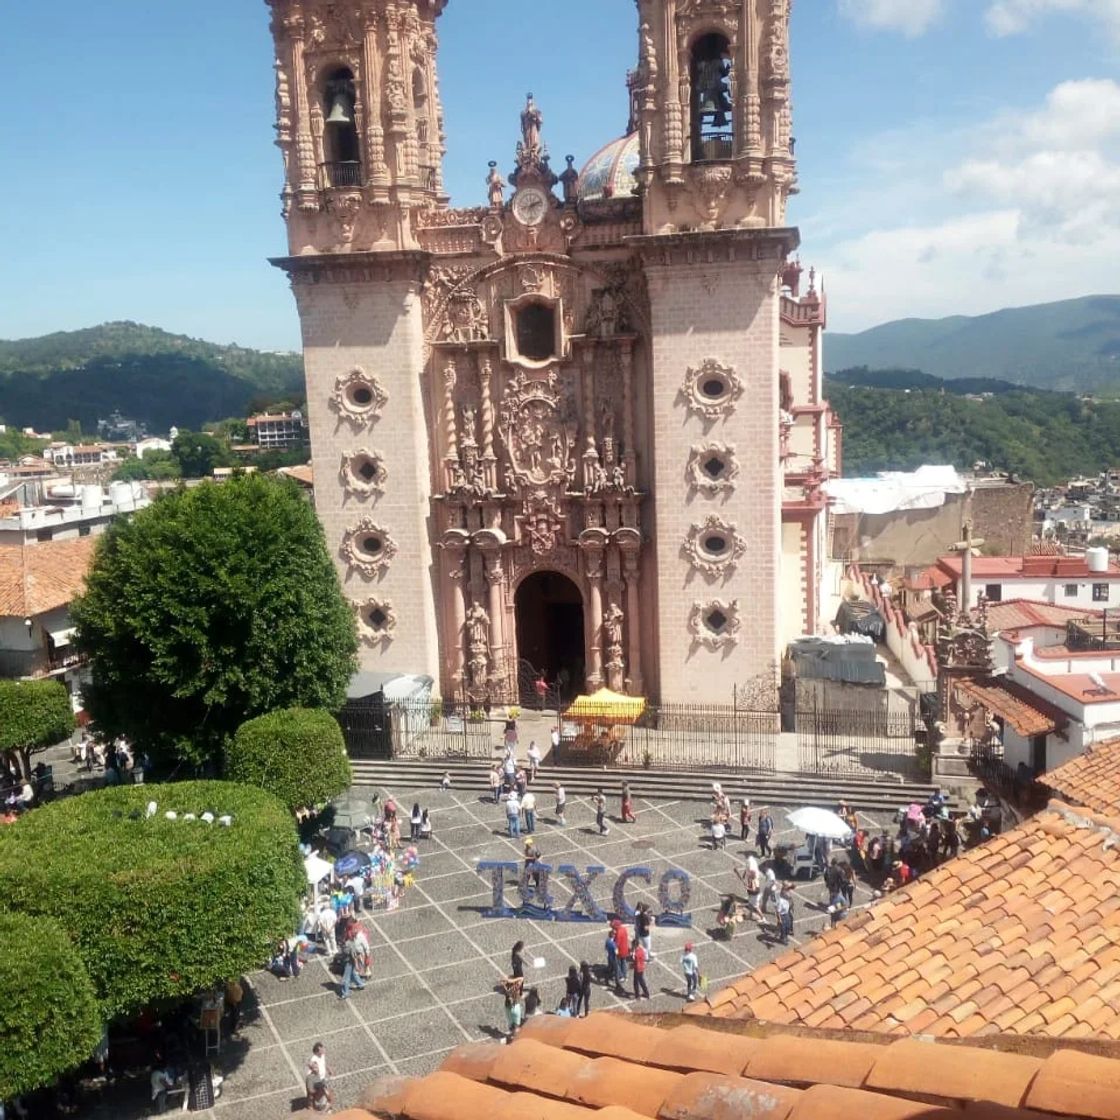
340, 132
712, 124
84, 530
1100, 592
993, 592
536, 332
44, 534
1071, 590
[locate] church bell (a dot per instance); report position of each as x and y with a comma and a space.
342, 111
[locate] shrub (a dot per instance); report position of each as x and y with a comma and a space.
34, 715
49, 1018
158, 908
297, 754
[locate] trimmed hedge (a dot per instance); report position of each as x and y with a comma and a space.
49, 1018
157, 908
298, 754
34, 715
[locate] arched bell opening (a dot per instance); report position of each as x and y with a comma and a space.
341, 148
713, 124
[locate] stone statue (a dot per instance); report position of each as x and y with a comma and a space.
478, 628
531, 121
494, 186
612, 624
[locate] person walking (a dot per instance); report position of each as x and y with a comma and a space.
495, 783
643, 924
318, 1073
611, 948
529, 808
517, 960
600, 803
571, 991
513, 814
583, 1004
534, 760
641, 958
745, 819
554, 739
784, 907
769, 889
355, 964
765, 833
561, 805
690, 966
513, 988
622, 941
719, 834
627, 806
414, 821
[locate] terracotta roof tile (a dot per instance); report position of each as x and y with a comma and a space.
605, 1081
1027, 713
35, 578
1092, 779
1077, 1084
1018, 614
709, 1096
823, 1102
690, 1048
1033, 913
800, 1061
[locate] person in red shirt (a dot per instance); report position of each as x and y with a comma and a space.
622, 941
640, 959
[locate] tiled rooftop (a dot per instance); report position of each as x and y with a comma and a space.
1092, 779
39, 577
1018, 614
1020, 935
559, 1069
1027, 713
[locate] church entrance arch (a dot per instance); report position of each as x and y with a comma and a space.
550, 629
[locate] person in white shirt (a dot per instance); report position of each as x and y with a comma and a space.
561, 804
534, 760
719, 833
529, 808
690, 966
513, 814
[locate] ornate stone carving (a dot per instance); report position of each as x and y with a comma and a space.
543, 522
710, 184
477, 627
714, 547
358, 397
776, 46
363, 472
539, 429
711, 389
465, 318
712, 467
368, 547
344, 209
377, 621
715, 623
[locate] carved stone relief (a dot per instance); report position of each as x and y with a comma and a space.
465, 318
711, 389
363, 472
540, 430
714, 547
368, 547
377, 621
358, 397
715, 624
710, 184
712, 467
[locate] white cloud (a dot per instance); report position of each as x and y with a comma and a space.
910, 17
1012, 17
1028, 210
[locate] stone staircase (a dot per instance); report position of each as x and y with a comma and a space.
873, 795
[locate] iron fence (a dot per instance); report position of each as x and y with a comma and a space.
854, 741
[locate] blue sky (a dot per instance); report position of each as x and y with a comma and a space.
955, 155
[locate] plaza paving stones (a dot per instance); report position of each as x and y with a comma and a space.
437, 959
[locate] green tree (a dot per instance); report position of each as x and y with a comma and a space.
296, 754
175, 904
199, 453
49, 1018
158, 465
34, 715
214, 605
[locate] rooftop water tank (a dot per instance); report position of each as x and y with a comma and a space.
92, 497
1097, 559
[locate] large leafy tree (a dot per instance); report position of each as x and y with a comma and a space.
198, 453
34, 715
176, 902
212, 606
296, 754
49, 1018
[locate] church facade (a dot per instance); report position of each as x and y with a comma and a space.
577, 430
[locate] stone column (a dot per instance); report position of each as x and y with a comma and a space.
590, 454
497, 627
451, 439
306, 171
633, 624
489, 459
377, 173
456, 590
595, 611
629, 455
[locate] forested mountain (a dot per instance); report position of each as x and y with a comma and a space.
145, 373
1074, 344
899, 419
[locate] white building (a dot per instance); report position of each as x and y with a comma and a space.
72, 511
151, 443
274, 432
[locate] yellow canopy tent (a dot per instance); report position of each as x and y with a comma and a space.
606, 707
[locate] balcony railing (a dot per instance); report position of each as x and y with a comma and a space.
344, 173
718, 146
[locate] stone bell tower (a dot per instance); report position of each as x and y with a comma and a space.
360, 126
715, 170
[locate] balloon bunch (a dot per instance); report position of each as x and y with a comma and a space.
408, 860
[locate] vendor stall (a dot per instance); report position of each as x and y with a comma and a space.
601, 719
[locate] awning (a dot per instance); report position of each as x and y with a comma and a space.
61, 637
606, 706
1019, 708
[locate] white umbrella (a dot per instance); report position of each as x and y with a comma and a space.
317, 870
819, 822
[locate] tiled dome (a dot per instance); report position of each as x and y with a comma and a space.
610, 172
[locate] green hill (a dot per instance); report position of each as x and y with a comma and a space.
145, 373
1074, 345
899, 419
